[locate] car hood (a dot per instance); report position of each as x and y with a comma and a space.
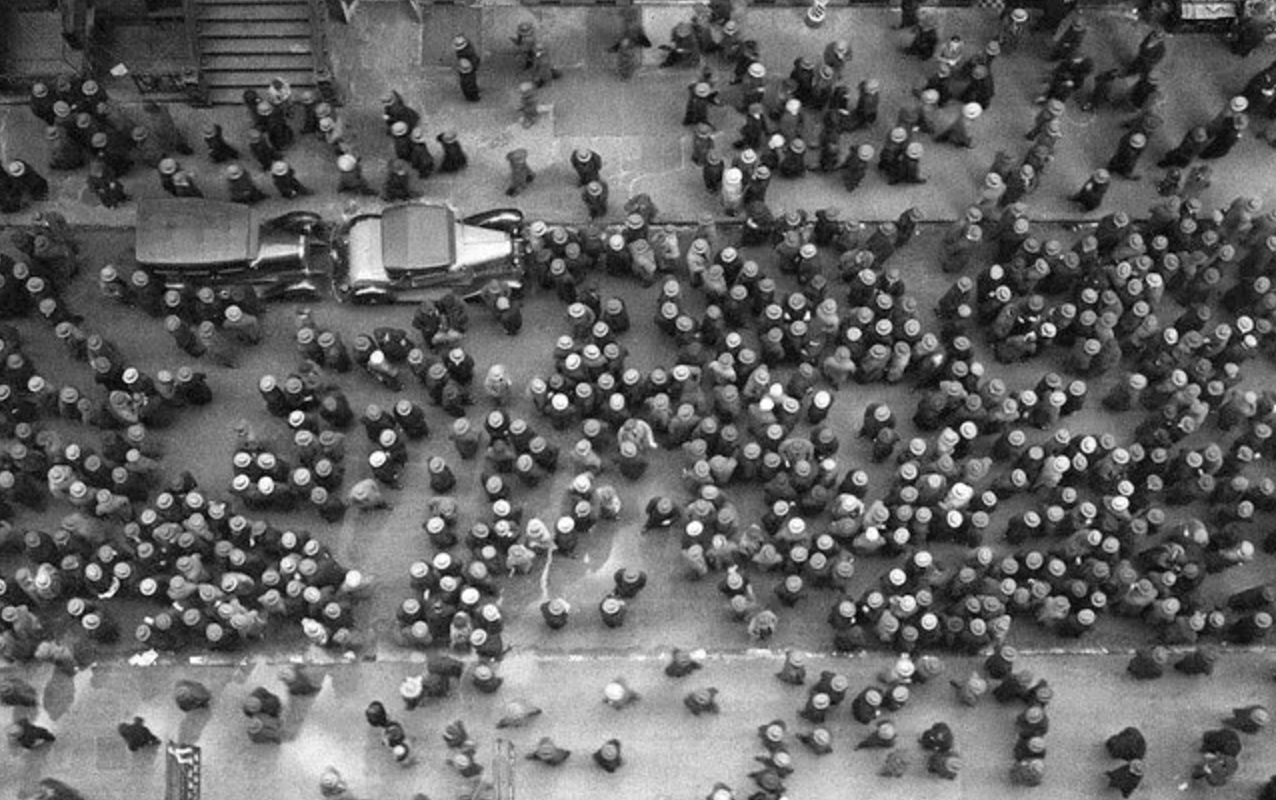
478, 246
194, 232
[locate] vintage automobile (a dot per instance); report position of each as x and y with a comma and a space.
196, 242
401, 253
407, 252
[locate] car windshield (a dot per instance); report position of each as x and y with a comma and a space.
363, 251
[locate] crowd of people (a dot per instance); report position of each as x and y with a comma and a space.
88, 132
764, 329
133, 531
784, 117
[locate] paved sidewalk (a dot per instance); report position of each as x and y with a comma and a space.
668, 752
635, 125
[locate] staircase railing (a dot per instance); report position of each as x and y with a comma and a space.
190, 18
324, 81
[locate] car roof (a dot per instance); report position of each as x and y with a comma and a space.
194, 232
418, 236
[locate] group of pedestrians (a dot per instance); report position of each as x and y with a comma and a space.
262, 709
785, 117
87, 130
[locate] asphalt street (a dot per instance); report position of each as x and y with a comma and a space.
382, 544
669, 751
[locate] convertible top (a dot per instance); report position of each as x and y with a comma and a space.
194, 232
418, 236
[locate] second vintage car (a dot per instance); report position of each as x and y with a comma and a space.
407, 252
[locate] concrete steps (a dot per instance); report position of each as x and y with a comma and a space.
244, 43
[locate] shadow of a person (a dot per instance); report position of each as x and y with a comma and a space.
59, 694
192, 726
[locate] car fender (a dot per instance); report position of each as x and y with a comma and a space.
302, 223
509, 220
